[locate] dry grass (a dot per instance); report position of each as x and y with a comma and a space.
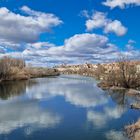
15, 69
133, 131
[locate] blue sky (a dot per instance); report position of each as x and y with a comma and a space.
77, 31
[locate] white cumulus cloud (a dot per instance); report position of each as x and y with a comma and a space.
78, 48
100, 20
96, 21
26, 28
115, 27
121, 3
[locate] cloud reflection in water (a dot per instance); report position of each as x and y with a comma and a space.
76, 90
26, 114
83, 93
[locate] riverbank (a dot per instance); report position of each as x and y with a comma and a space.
28, 73
122, 74
42, 72
133, 131
109, 80
13, 69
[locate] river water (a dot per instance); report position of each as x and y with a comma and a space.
63, 108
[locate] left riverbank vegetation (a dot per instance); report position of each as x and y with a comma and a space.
16, 69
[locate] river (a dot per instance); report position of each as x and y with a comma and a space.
63, 108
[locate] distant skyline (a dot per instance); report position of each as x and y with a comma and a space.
52, 32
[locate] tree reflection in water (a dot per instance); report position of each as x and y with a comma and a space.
14, 88
122, 98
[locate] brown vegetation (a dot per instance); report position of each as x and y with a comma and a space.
121, 74
15, 69
135, 106
124, 74
11, 69
133, 131
99, 72
42, 72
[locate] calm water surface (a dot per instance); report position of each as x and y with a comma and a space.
63, 108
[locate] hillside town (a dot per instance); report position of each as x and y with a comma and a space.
64, 68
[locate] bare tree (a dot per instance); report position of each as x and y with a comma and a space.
123, 73
7, 64
127, 73
99, 72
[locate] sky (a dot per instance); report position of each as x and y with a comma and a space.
53, 32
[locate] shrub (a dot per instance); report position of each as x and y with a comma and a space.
124, 74
7, 65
